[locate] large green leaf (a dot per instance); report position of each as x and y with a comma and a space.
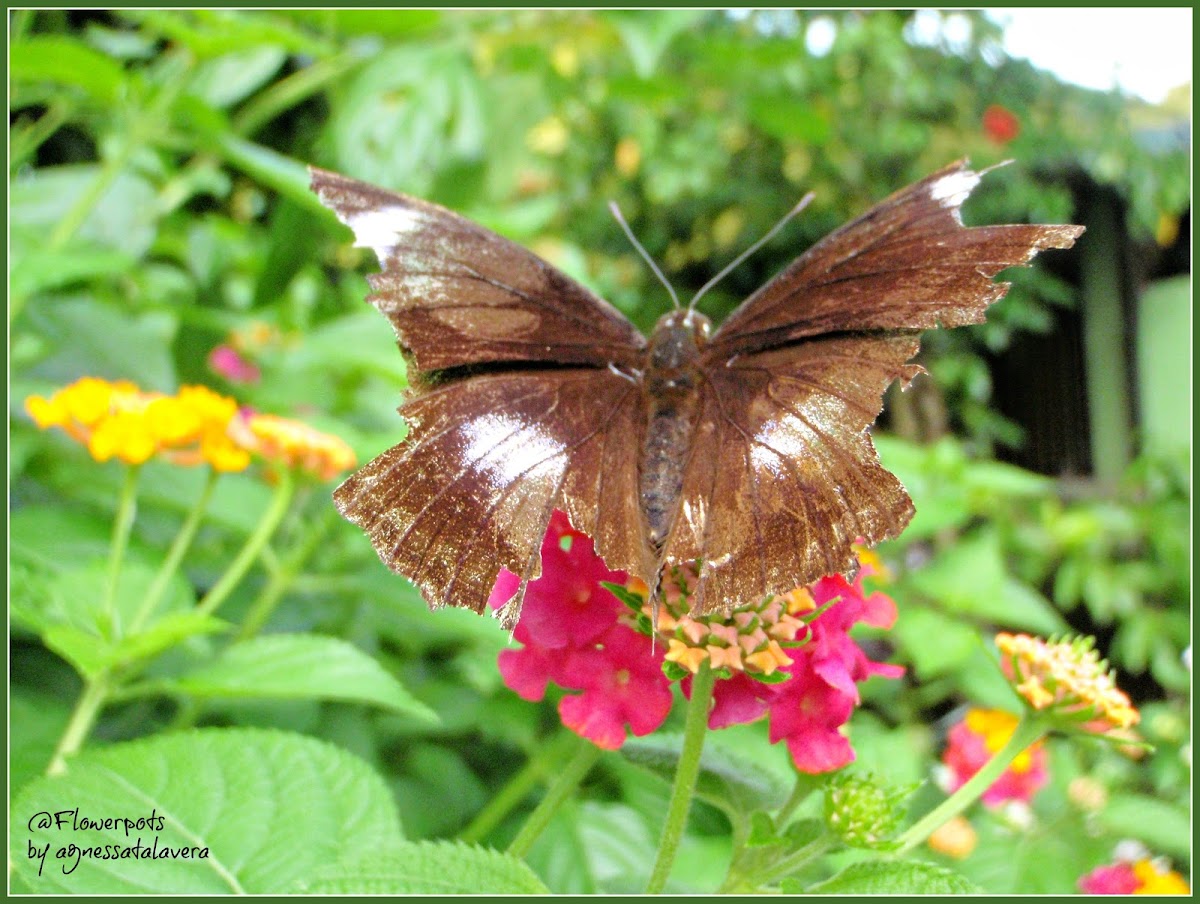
258, 811
123, 219
910, 877
427, 868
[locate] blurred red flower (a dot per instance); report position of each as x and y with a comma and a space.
1000, 124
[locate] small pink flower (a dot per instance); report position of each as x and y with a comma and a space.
226, 361
571, 636
1117, 879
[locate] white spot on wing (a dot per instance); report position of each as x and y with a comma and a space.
493, 446
785, 437
952, 189
381, 229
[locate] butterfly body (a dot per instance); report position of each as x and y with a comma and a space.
746, 449
671, 382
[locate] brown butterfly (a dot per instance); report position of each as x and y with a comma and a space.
747, 450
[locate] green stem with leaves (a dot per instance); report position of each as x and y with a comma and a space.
283, 577
566, 783
694, 731
1028, 731
122, 528
87, 710
263, 531
545, 761
179, 547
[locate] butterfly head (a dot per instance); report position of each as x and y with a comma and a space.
674, 352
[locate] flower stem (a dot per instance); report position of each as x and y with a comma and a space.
568, 780
95, 692
1028, 731
695, 729
537, 767
794, 861
179, 546
805, 785
122, 527
282, 578
263, 532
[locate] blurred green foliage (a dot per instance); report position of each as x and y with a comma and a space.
159, 206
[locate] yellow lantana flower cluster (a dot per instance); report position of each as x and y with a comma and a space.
118, 420
193, 427
295, 445
1068, 676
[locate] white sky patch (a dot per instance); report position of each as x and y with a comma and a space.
951, 190
1145, 51
516, 455
380, 229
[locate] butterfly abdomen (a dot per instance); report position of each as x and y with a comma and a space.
671, 380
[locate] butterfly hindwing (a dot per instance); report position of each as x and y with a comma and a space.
486, 462
783, 476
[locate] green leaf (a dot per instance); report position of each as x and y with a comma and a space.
956, 642
66, 62
67, 610
781, 116
40, 269
427, 868
395, 126
1165, 828
92, 338
301, 666
619, 845
56, 539
227, 79
124, 219
355, 342
970, 578
270, 809
37, 722
75, 596
910, 877
647, 34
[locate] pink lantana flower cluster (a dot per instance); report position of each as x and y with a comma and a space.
975, 740
1143, 876
789, 658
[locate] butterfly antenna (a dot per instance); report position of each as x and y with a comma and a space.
804, 202
616, 212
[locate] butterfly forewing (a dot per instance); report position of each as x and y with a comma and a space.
908, 263
458, 294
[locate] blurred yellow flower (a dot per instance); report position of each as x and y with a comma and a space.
193, 427
294, 445
118, 420
956, 838
628, 156
549, 137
